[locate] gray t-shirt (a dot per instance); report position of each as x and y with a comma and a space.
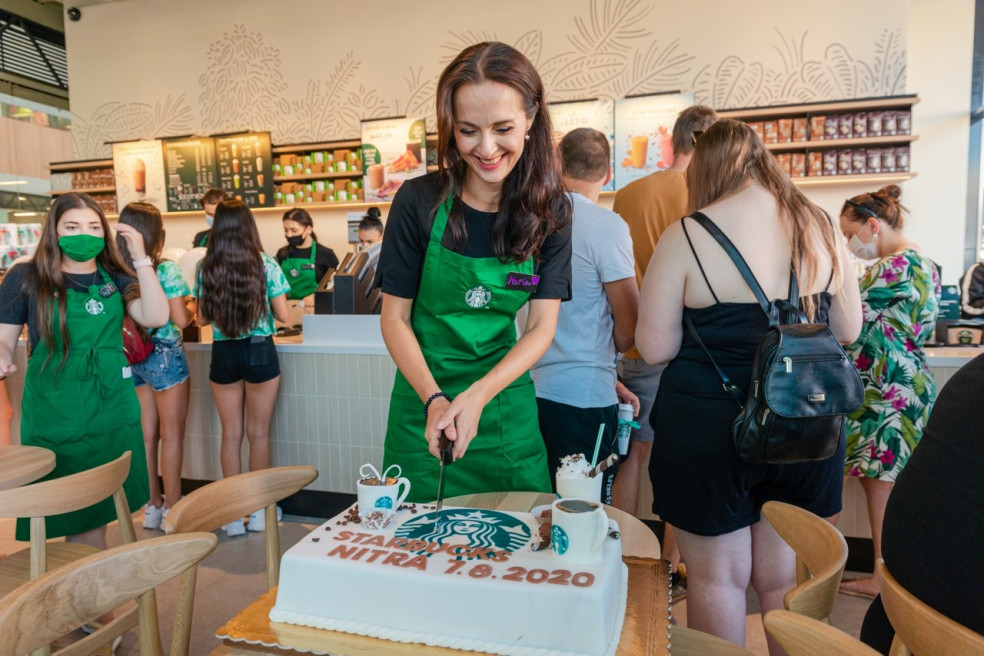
579, 367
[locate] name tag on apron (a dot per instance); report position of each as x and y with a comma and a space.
524, 282
127, 372
107, 290
307, 266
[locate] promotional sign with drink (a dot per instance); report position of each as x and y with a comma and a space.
644, 134
393, 150
246, 167
139, 171
191, 171
597, 113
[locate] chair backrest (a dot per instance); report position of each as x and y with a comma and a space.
66, 494
821, 553
800, 635
690, 642
220, 502
920, 629
62, 600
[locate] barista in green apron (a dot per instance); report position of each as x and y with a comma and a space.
300, 274
464, 320
85, 410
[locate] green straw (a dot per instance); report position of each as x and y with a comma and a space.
594, 458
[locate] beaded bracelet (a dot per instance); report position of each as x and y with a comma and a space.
435, 395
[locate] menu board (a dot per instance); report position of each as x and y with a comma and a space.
644, 134
393, 150
191, 171
598, 114
139, 171
245, 167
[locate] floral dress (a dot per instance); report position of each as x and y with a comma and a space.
900, 296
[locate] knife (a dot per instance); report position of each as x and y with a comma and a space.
447, 457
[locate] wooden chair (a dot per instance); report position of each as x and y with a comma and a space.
821, 553
62, 600
919, 628
800, 635
690, 642
220, 502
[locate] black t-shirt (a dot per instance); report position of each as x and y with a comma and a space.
324, 258
201, 238
19, 305
408, 229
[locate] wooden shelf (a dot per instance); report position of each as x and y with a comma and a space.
317, 176
865, 178
834, 107
324, 145
83, 165
90, 191
843, 143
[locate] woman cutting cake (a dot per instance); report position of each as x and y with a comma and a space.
465, 248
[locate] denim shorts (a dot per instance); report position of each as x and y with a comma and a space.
166, 367
253, 359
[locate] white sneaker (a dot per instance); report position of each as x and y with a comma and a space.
153, 516
235, 528
257, 519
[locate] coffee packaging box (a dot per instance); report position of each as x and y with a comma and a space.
889, 124
785, 162
831, 126
874, 160
861, 125
874, 124
798, 165
758, 129
770, 130
799, 129
859, 161
845, 129
844, 162
817, 128
785, 130
904, 122
830, 162
888, 160
815, 161
902, 158
318, 156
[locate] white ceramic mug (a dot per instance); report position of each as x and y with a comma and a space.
579, 529
378, 503
579, 488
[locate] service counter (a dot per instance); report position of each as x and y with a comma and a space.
334, 400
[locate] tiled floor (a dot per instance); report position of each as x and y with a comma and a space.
234, 575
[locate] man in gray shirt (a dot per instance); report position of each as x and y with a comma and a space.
575, 379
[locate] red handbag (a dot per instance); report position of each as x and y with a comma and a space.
137, 346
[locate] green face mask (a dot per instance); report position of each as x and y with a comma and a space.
81, 248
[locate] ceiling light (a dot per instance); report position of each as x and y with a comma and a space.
25, 213
14, 182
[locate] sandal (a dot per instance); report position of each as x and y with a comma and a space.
856, 588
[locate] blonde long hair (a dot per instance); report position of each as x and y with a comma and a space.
728, 156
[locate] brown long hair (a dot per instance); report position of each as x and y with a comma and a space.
532, 204
882, 204
46, 278
232, 293
728, 156
146, 219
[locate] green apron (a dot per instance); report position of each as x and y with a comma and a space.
86, 410
300, 274
203, 242
464, 320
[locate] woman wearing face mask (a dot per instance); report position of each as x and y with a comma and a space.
303, 260
465, 248
209, 201
900, 296
79, 400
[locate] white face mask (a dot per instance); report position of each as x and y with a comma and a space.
862, 250
208, 220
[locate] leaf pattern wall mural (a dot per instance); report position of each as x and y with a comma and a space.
601, 48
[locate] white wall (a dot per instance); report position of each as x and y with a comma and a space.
309, 70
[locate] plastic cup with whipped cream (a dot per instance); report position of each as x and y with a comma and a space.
573, 481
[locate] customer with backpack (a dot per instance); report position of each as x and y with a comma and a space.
700, 486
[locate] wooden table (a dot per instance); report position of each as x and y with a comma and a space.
23, 464
645, 631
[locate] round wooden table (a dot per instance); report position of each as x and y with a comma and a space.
23, 464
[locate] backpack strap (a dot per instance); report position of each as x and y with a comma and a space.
736, 257
683, 224
733, 390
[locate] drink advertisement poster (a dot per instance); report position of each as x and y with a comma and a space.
393, 150
191, 171
139, 170
644, 134
245, 166
597, 113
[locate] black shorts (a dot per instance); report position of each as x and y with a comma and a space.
253, 359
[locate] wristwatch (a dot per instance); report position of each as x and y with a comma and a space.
142, 263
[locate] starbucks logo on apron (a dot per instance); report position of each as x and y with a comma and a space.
92, 306
478, 297
294, 272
